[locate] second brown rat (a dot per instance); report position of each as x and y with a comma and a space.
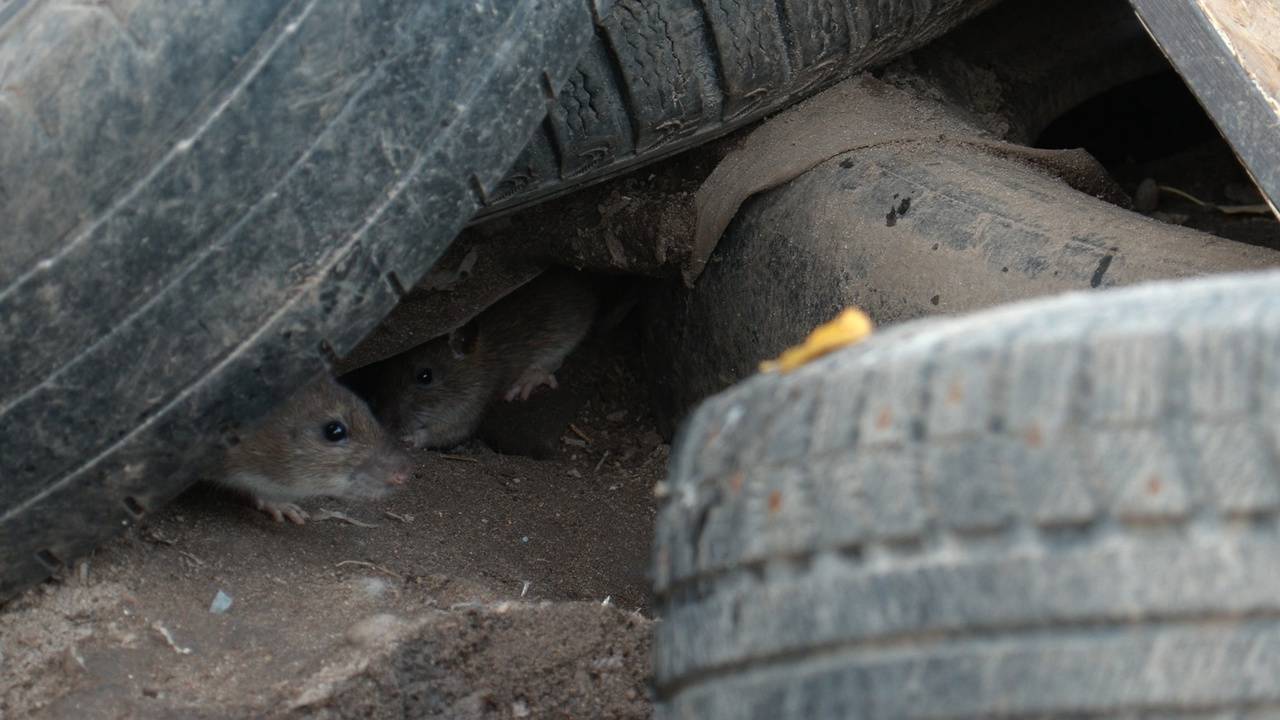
323, 440
436, 394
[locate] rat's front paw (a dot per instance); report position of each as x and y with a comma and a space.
282, 511
417, 439
529, 381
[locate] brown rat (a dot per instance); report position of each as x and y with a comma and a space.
322, 441
436, 394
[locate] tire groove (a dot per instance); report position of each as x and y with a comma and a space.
617, 76
956, 642
715, 63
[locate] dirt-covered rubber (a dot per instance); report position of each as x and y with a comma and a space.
1065, 508
666, 75
204, 203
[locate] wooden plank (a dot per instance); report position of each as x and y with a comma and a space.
1251, 30
1228, 53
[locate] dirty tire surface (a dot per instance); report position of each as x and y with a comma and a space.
1064, 507
665, 75
204, 204
902, 232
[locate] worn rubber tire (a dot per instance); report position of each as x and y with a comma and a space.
979, 230
204, 203
666, 75
1061, 508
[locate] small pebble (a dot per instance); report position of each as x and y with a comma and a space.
1147, 197
374, 631
374, 587
72, 662
221, 603
1241, 193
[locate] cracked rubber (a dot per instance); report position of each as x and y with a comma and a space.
1060, 508
666, 75
205, 203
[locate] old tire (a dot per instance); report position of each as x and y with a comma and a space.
666, 75
205, 203
975, 230
1060, 508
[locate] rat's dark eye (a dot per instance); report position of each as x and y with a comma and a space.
424, 376
335, 432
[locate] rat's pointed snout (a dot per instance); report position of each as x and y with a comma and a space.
401, 470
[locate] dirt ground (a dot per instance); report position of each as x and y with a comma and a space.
496, 586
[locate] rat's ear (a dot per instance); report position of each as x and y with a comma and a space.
463, 341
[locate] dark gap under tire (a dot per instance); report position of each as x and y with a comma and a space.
1065, 507
204, 204
666, 75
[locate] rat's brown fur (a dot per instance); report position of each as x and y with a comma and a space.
508, 349
288, 457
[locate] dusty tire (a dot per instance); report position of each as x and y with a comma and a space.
666, 75
979, 230
204, 203
1062, 508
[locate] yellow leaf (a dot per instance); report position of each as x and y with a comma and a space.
849, 327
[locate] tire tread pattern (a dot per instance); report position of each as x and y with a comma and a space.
1063, 506
666, 75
